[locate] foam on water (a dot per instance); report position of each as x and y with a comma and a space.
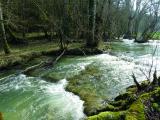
31, 98
28, 98
127, 41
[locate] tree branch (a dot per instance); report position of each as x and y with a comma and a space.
42, 64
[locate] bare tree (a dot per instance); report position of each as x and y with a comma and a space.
146, 20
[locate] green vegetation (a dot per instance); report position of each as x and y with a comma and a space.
36, 34
24, 54
85, 89
156, 36
91, 21
135, 110
108, 116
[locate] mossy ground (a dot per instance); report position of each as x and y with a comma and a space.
85, 89
20, 54
23, 56
156, 36
108, 116
137, 109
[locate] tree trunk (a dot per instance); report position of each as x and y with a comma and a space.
99, 23
136, 27
109, 20
4, 39
128, 35
64, 31
91, 32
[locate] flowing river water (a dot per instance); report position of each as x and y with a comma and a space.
32, 98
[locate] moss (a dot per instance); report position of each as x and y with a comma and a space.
121, 105
118, 103
110, 107
108, 116
80, 85
52, 77
123, 96
88, 95
107, 107
130, 96
136, 111
156, 106
132, 89
145, 84
155, 94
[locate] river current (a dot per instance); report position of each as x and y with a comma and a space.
32, 98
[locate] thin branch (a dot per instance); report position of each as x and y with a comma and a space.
144, 73
150, 70
136, 82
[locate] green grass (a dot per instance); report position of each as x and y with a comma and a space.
30, 35
21, 49
156, 36
35, 34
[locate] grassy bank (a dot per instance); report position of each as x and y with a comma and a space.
22, 55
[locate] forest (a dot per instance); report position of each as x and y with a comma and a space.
79, 59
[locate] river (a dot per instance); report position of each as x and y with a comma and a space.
32, 98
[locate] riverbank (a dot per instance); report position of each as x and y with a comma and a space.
97, 78
132, 105
20, 59
20, 56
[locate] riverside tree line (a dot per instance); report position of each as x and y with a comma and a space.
91, 21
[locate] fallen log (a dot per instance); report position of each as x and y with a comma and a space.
43, 64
